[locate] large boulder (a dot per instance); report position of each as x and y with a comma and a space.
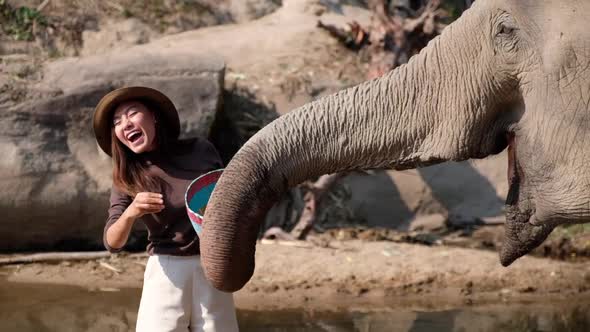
116, 35
54, 181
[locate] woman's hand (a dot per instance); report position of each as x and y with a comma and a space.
145, 203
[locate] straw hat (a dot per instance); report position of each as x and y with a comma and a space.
156, 100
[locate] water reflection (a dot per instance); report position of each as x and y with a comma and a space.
59, 308
510, 318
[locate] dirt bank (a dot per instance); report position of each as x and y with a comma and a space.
374, 274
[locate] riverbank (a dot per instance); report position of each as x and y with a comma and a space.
367, 274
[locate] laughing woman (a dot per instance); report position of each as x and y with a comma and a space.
139, 127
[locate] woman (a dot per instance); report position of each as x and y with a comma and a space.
139, 127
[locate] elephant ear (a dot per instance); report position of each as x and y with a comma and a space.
521, 237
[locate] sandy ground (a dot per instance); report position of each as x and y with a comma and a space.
366, 274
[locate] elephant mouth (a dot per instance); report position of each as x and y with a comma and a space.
515, 177
520, 236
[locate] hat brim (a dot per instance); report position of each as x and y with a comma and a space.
102, 120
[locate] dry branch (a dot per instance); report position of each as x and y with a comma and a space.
53, 257
312, 199
277, 233
109, 267
294, 243
353, 35
391, 39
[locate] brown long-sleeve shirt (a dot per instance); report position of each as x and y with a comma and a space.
170, 231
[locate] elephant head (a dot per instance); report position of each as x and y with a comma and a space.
507, 74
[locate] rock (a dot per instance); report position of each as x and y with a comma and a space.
116, 35
248, 10
191, 79
55, 182
428, 223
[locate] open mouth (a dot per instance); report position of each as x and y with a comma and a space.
134, 136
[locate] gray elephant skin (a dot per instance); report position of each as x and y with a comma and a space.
508, 74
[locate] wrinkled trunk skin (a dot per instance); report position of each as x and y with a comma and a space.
431, 110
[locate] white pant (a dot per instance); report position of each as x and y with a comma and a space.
177, 297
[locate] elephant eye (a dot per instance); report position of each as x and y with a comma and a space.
505, 25
505, 30
505, 34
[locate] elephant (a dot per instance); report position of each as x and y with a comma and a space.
507, 74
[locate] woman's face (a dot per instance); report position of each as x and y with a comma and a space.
134, 126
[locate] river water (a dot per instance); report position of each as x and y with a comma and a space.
39, 308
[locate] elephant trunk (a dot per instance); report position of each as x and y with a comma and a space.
422, 113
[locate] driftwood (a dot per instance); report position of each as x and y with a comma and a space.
394, 35
313, 197
277, 233
394, 39
353, 35
110, 267
316, 193
293, 243
54, 257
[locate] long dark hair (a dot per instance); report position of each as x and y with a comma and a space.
130, 170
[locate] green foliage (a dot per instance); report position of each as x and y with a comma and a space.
454, 8
18, 22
